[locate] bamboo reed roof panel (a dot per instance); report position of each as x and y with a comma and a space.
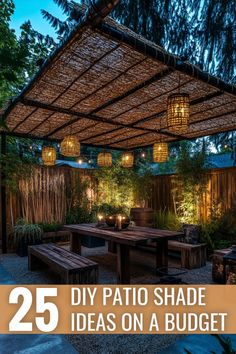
118, 134
109, 86
140, 141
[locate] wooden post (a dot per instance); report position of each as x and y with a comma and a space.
162, 253
123, 264
75, 243
3, 197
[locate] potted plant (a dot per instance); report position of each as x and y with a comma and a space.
24, 235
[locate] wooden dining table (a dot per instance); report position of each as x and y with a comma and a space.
124, 240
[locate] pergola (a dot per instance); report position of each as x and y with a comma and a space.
109, 86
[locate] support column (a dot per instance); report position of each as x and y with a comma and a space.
3, 198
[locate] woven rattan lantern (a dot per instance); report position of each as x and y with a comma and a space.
104, 159
160, 152
127, 159
178, 112
49, 155
70, 146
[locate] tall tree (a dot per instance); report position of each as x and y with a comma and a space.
20, 57
12, 54
38, 48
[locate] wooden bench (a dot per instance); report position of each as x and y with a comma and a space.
73, 268
192, 256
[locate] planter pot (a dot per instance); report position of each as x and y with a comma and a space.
91, 242
22, 248
142, 216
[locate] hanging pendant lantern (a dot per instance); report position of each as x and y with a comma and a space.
49, 156
160, 152
178, 112
70, 146
104, 159
127, 159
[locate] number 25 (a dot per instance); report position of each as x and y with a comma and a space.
16, 324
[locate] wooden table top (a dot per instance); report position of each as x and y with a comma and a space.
132, 236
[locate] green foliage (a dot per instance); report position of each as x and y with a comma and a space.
115, 186
16, 167
29, 233
220, 232
207, 235
77, 191
108, 210
53, 227
123, 187
20, 57
190, 165
166, 220
12, 53
142, 184
79, 215
73, 13
191, 180
38, 47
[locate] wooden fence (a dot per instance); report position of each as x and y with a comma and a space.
220, 192
50, 192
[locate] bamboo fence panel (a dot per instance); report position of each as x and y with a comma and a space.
220, 192
47, 195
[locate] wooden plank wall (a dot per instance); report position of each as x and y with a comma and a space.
221, 191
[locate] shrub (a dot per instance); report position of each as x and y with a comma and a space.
109, 209
166, 220
220, 232
28, 233
50, 227
79, 215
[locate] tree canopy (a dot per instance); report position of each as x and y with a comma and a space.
20, 57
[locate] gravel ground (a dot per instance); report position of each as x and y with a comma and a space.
142, 272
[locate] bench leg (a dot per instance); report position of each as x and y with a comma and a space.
34, 263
